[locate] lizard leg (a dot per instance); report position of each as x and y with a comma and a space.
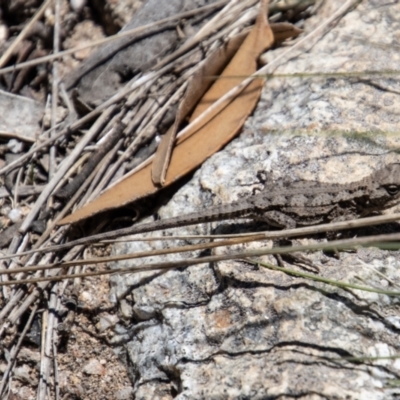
278, 219
343, 234
282, 220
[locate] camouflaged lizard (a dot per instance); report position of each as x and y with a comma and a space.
285, 205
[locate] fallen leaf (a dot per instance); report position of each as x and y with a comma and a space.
208, 135
199, 84
197, 87
284, 30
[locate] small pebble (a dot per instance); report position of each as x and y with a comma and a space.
124, 394
3, 33
94, 367
106, 321
15, 215
15, 146
77, 5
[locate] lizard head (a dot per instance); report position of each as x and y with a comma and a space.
385, 188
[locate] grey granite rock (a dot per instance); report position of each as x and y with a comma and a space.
20, 116
231, 330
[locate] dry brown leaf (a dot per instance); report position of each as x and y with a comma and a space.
198, 85
284, 30
208, 135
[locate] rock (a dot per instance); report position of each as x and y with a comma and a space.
106, 321
233, 330
20, 116
94, 367
125, 393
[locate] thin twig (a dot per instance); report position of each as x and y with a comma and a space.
36, 292
10, 304
14, 352
93, 261
94, 130
317, 278
9, 52
144, 28
45, 364
203, 246
54, 88
96, 187
379, 241
296, 232
84, 120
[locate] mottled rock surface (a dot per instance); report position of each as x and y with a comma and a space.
231, 330
19, 115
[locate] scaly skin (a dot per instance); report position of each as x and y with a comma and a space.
284, 205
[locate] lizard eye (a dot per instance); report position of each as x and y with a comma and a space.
392, 189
